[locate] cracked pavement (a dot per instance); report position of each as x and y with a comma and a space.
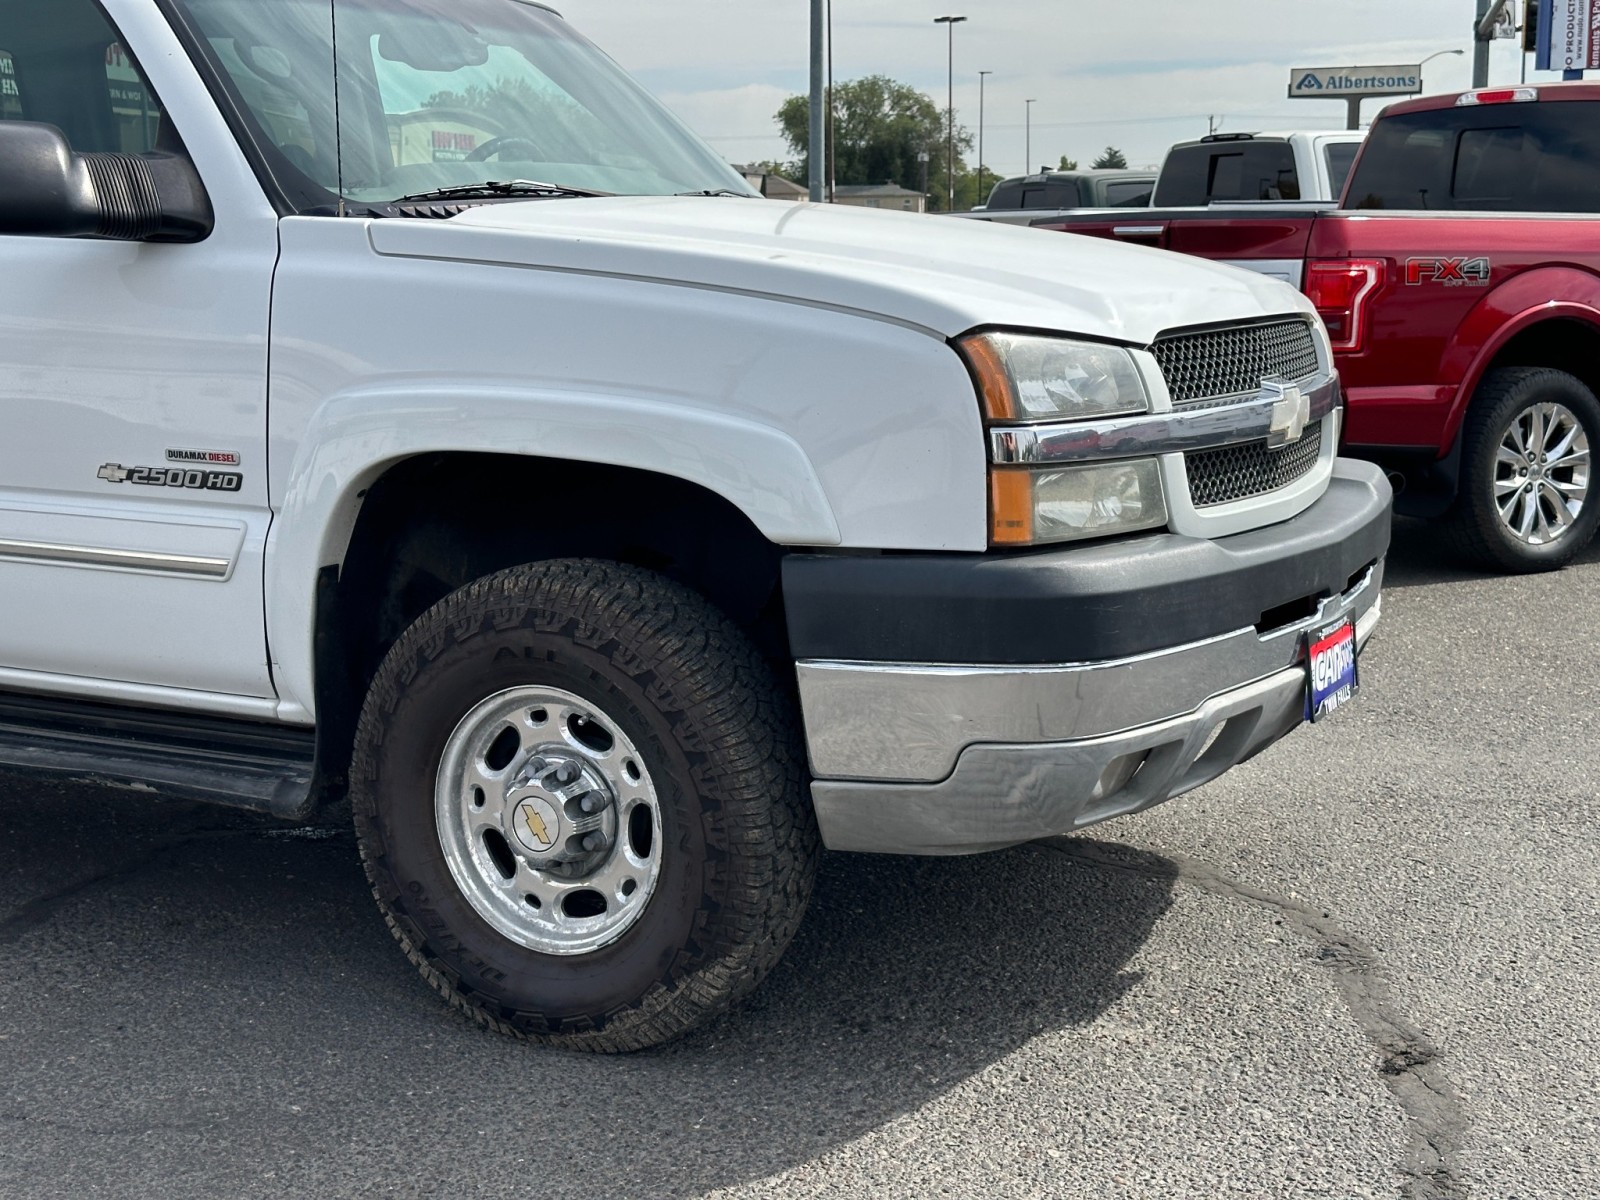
1362, 965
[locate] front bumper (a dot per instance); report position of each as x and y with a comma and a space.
952, 758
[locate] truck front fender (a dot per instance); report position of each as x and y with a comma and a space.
822, 427
355, 437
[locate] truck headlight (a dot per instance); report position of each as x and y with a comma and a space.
1031, 506
1025, 379
1022, 377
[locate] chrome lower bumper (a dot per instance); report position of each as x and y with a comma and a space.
951, 760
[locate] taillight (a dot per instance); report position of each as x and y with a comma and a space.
1340, 288
1498, 96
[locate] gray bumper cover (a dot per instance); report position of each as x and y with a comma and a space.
1001, 794
950, 759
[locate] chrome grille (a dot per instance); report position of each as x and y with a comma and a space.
1201, 367
1250, 469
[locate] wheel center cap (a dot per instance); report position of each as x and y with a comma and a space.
537, 824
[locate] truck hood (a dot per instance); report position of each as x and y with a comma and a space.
945, 276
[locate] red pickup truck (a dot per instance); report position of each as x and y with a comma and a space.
1460, 282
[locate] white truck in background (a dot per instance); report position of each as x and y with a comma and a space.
1227, 167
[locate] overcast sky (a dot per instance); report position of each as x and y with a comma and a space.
1139, 74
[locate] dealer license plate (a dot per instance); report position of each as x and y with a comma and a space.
1331, 665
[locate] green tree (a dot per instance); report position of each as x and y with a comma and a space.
879, 129
1111, 158
967, 194
1068, 164
981, 185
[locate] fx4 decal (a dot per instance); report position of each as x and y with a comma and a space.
177, 477
1452, 272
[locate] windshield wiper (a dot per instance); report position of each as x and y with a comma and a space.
720, 192
496, 187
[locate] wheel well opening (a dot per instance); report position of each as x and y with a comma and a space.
1564, 345
1432, 484
434, 523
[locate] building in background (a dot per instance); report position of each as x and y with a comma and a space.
881, 195
872, 195
773, 187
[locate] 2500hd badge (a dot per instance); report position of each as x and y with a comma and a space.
178, 477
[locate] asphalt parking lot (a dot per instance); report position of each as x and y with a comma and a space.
1362, 965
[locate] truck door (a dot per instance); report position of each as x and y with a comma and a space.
133, 492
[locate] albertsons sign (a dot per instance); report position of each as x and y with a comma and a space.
1335, 83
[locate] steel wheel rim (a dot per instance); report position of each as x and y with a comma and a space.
1541, 474
529, 777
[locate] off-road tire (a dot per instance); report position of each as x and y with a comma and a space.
1473, 526
721, 740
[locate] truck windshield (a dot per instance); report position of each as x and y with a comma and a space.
1529, 157
444, 94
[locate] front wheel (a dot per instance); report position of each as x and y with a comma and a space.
580, 801
1526, 502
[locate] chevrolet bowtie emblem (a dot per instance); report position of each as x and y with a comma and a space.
536, 826
1291, 412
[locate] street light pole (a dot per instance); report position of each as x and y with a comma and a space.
1353, 103
1440, 54
981, 75
1027, 167
833, 178
818, 123
1483, 35
950, 114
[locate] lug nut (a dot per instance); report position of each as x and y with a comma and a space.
594, 841
591, 803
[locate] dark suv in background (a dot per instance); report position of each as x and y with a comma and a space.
1027, 198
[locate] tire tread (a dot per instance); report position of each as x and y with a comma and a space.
735, 724
1471, 528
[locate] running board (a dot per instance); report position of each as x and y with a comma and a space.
180, 756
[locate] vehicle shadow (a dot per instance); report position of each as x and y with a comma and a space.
1419, 556
202, 1003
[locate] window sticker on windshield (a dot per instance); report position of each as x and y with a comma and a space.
1451, 272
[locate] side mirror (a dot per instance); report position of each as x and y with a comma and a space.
48, 191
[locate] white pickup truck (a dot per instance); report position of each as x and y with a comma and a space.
1229, 167
400, 403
